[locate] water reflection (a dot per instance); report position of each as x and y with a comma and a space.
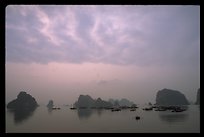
174, 117
21, 114
99, 112
49, 110
86, 113
170, 116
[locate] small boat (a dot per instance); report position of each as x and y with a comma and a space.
160, 109
132, 109
116, 109
73, 108
148, 109
178, 110
137, 117
55, 108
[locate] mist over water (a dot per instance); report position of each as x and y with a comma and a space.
104, 121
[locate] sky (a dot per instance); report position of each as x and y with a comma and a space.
110, 51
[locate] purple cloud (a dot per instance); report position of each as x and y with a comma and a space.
137, 35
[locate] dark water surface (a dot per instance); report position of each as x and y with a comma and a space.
43, 120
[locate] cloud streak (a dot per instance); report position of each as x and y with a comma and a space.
123, 35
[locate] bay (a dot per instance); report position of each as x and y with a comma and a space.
66, 120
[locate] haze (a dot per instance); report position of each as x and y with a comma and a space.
59, 52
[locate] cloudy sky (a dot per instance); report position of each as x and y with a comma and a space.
59, 52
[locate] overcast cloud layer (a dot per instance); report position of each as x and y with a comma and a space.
138, 36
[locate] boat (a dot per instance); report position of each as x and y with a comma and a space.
133, 109
178, 110
148, 109
73, 108
137, 117
160, 109
54, 108
116, 109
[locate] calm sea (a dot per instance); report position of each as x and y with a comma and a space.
65, 120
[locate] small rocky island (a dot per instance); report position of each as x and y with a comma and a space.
170, 97
22, 107
23, 101
50, 104
198, 97
123, 102
85, 101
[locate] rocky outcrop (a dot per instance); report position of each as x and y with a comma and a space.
50, 104
170, 97
198, 97
125, 102
101, 103
87, 101
84, 101
122, 102
23, 101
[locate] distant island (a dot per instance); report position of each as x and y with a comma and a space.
163, 97
122, 102
22, 107
23, 101
88, 102
50, 104
198, 97
170, 97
